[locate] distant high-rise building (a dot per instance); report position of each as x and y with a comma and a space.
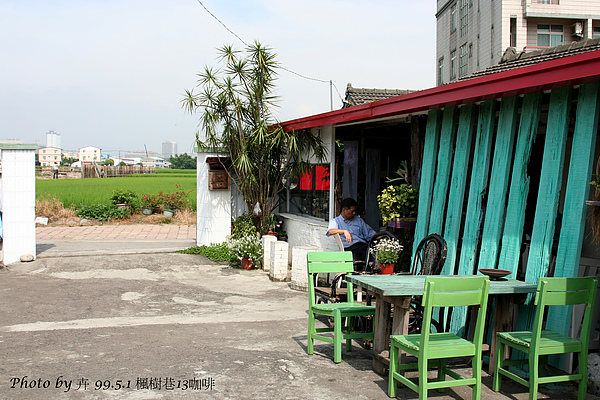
53, 140
169, 149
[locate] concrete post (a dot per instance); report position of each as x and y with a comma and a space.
299, 267
266, 243
279, 261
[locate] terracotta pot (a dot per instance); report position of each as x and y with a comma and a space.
387, 269
271, 233
246, 263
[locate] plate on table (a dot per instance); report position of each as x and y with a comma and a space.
494, 273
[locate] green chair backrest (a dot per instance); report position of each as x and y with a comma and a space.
565, 292
455, 291
325, 263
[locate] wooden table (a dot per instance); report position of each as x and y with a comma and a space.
397, 290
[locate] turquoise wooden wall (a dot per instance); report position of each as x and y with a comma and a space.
475, 185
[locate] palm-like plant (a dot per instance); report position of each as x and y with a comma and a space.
235, 104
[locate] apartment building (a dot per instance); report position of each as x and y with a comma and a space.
49, 156
474, 34
90, 154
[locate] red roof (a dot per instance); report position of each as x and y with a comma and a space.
567, 71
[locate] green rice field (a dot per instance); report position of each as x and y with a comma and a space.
74, 192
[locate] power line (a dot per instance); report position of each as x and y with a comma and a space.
224, 26
283, 68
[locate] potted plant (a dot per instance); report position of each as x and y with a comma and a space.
399, 204
173, 201
150, 203
248, 249
387, 251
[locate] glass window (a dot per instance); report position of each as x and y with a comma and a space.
596, 34
549, 35
547, 1
441, 71
454, 18
464, 17
463, 61
453, 65
310, 196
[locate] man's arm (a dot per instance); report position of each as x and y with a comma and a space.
344, 232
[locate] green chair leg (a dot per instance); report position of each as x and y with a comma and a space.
498, 364
422, 363
583, 370
311, 330
350, 322
337, 336
392, 385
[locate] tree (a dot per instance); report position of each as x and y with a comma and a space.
68, 160
109, 161
183, 161
235, 103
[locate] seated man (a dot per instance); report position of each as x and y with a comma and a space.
354, 231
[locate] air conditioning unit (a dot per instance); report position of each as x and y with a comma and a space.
577, 29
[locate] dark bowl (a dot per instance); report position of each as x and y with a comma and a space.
494, 273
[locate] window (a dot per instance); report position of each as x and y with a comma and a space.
549, 35
513, 32
311, 194
463, 60
441, 71
547, 1
596, 34
464, 17
454, 18
453, 65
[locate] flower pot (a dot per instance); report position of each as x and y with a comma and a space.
387, 269
246, 263
123, 205
147, 211
168, 213
271, 233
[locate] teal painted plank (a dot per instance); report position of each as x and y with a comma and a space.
458, 184
519, 183
477, 188
577, 191
430, 150
542, 236
456, 195
495, 206
442, 175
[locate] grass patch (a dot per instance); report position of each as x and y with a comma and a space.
91, 191
214, 252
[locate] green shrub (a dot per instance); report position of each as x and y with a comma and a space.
214, 252
123, 197
103, 212
243, 226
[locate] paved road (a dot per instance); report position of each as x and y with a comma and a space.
116, 320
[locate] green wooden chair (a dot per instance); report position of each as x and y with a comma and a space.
539, 343
433, 349
343, 313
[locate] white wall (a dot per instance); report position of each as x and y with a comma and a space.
18, 204
213, 221
308, 232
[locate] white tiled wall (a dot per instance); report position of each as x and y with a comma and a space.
18, 204
213, 221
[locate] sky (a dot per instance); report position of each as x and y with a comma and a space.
112, 73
